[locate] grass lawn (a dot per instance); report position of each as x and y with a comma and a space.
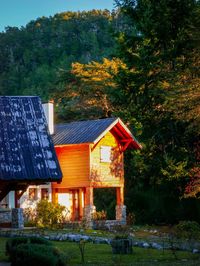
101, 254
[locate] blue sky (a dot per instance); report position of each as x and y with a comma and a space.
20, 12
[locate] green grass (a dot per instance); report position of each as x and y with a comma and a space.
101, 254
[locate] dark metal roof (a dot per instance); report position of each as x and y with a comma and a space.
92, 131
26, 149
81, 131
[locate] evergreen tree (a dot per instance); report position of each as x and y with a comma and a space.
162, 56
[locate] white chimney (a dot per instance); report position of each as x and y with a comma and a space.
49, 113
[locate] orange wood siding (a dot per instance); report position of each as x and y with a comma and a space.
74, 162
107, 174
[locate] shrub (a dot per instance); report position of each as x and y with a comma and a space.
29, 216
188, 229
49, 214
100, 215
36, 255
12, 243
99, 220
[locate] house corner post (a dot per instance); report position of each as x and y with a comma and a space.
89, 208
120, 207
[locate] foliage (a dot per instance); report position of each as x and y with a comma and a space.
12, 243
49, 214
36, 254
188, 230
104, 199
193, 186
99, 215
29, 216
160, 88
89, 90
31, 56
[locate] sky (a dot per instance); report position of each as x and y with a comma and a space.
17, 13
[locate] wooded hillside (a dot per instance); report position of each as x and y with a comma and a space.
141, 63
31, 56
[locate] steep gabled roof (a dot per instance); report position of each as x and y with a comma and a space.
26, 149
92, 131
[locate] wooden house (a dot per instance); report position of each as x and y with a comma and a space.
90, 154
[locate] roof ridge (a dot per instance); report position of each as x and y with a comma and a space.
89, 120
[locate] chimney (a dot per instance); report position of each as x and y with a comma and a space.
49, 113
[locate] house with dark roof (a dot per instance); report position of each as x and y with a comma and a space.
90, 154
27, 154
91, 157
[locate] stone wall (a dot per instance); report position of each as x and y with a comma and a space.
5, 217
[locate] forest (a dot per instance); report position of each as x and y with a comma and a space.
140, 62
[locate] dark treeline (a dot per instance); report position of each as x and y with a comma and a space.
31, 56
141, 63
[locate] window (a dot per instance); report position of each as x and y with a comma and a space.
45, 193
105, 154
32, 193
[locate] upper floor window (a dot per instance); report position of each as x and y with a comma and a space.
105, 154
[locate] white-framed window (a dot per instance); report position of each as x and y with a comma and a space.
32, 193
44, 193
105, 154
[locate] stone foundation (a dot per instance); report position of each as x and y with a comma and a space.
5, 218
121, 213
17, 218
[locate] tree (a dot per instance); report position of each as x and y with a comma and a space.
31, 56
162, 58
89, 89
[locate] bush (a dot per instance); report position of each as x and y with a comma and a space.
29, 216
12, 243
36, 255
49, 214
99, 216
188, 229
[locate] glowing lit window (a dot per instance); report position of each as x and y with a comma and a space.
105, 154
32, 193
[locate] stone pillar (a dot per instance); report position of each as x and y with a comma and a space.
17, 218
120, 208
121, 214
89, 208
